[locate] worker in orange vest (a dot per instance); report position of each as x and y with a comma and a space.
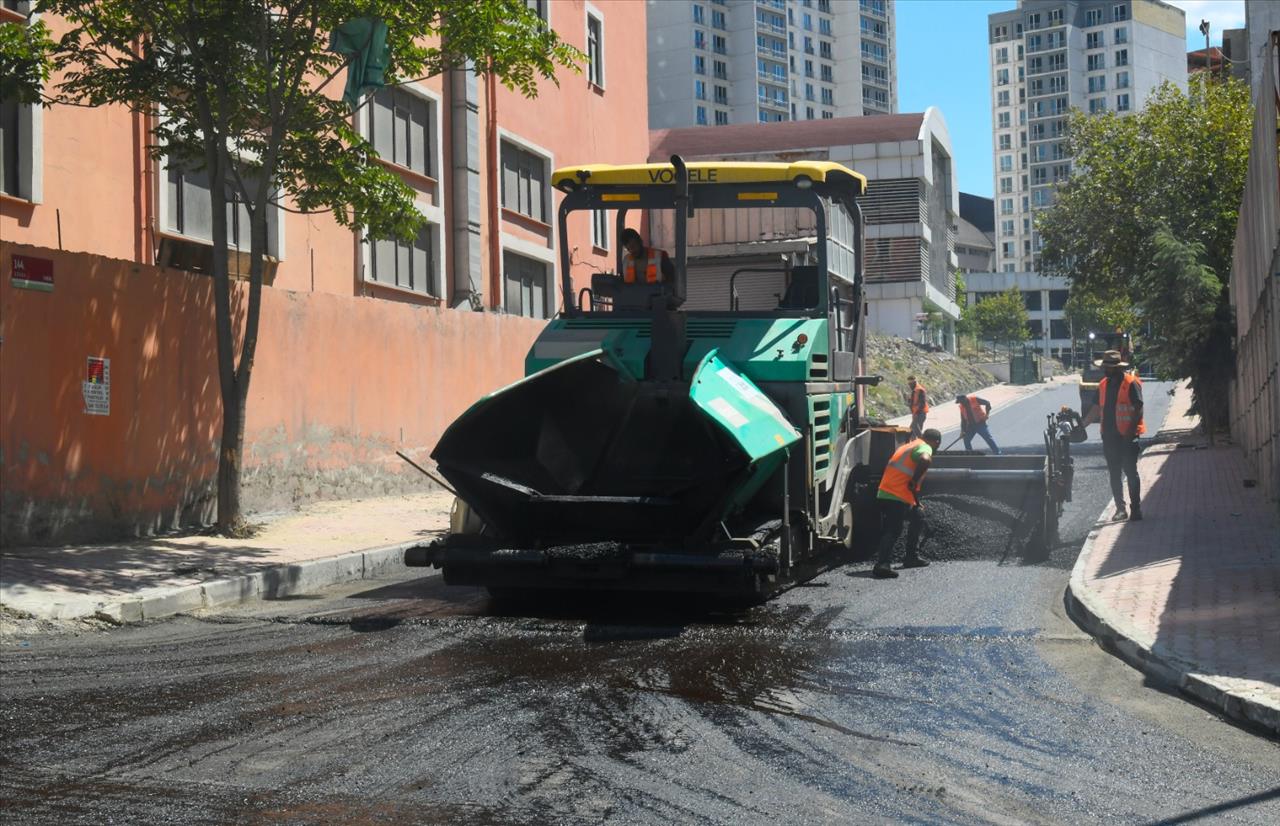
974, 412
899, 500
1119, 409
919, 403
644, 265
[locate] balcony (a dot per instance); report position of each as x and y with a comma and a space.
773, 103
873, 34
873, 80
781, 5
882, 59
773, 28
772, 77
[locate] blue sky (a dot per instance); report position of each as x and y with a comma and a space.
942, 61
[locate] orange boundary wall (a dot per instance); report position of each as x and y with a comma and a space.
340, 384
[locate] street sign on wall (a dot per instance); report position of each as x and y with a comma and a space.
31, 273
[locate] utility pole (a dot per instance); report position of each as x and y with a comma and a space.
1208, 61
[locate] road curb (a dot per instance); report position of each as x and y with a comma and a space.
1094, 616
277, 581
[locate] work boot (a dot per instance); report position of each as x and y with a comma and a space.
1136, 515
882, 571
1121, 513
915, 562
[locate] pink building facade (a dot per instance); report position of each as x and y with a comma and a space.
366, 348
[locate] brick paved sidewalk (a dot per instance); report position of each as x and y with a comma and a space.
1192, 593
321, 544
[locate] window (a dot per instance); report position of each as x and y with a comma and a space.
1119, 13
186, 208
1097, 105
1056, 40
1002, 55
1002, 77
538, 7
1006, 185
1006, 163
1093, 40
1093, 17
699, 65
1122, 80
828, 97
1122, 103
1055, 17
1002, 98
827, 115
1034, 43
526, 286
1006, 227
1008, 249
600, 228
1006, 142
1121, 35
1058, 327
808, 68
808, 91
808, 113
1094, 62
699, 39
1006, 206
595, 50
401, 129
999, 33
808, 22
718, 20
1039, 177
1033, 21
700, 89
718, 44
720, 70
1035, 327
699, 14
524, 182
722, 95
409, 266
702, 116
824, 26
1031, 300
722, 118
824, 49
1057, 84
1097, 83
1122, 57
826, 74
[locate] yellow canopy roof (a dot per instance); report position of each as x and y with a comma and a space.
707, 172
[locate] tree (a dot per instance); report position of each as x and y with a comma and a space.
1001, 317
1174, 171
242, 91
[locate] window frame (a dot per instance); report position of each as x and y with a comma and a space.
29, 123
528, 249
594, 78
548, 164
434, 157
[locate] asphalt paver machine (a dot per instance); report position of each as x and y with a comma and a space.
715, 445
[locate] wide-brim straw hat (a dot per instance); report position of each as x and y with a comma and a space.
1111, 358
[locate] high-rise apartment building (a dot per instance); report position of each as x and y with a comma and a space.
717, 62
1047, 58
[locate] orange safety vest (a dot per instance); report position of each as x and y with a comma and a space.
1126, 414
651, 274
896, 480
972, 414
918, 403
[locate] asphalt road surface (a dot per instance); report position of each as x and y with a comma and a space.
959, 693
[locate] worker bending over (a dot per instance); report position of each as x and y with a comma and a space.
899, 500
974, 412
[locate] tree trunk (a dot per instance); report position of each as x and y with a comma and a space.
230, 462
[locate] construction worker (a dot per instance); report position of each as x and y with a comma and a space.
899, 500
974, 412
641, 264
919, 403
1119, 409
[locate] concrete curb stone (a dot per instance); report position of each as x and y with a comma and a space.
288, 579
1095, 617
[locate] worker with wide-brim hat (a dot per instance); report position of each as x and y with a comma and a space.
1119, 411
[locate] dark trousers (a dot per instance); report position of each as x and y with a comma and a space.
892, 516
980, 430
1122, 456
917, 424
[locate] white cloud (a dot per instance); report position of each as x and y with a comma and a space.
1221, 14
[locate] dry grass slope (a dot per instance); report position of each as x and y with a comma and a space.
895, 358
